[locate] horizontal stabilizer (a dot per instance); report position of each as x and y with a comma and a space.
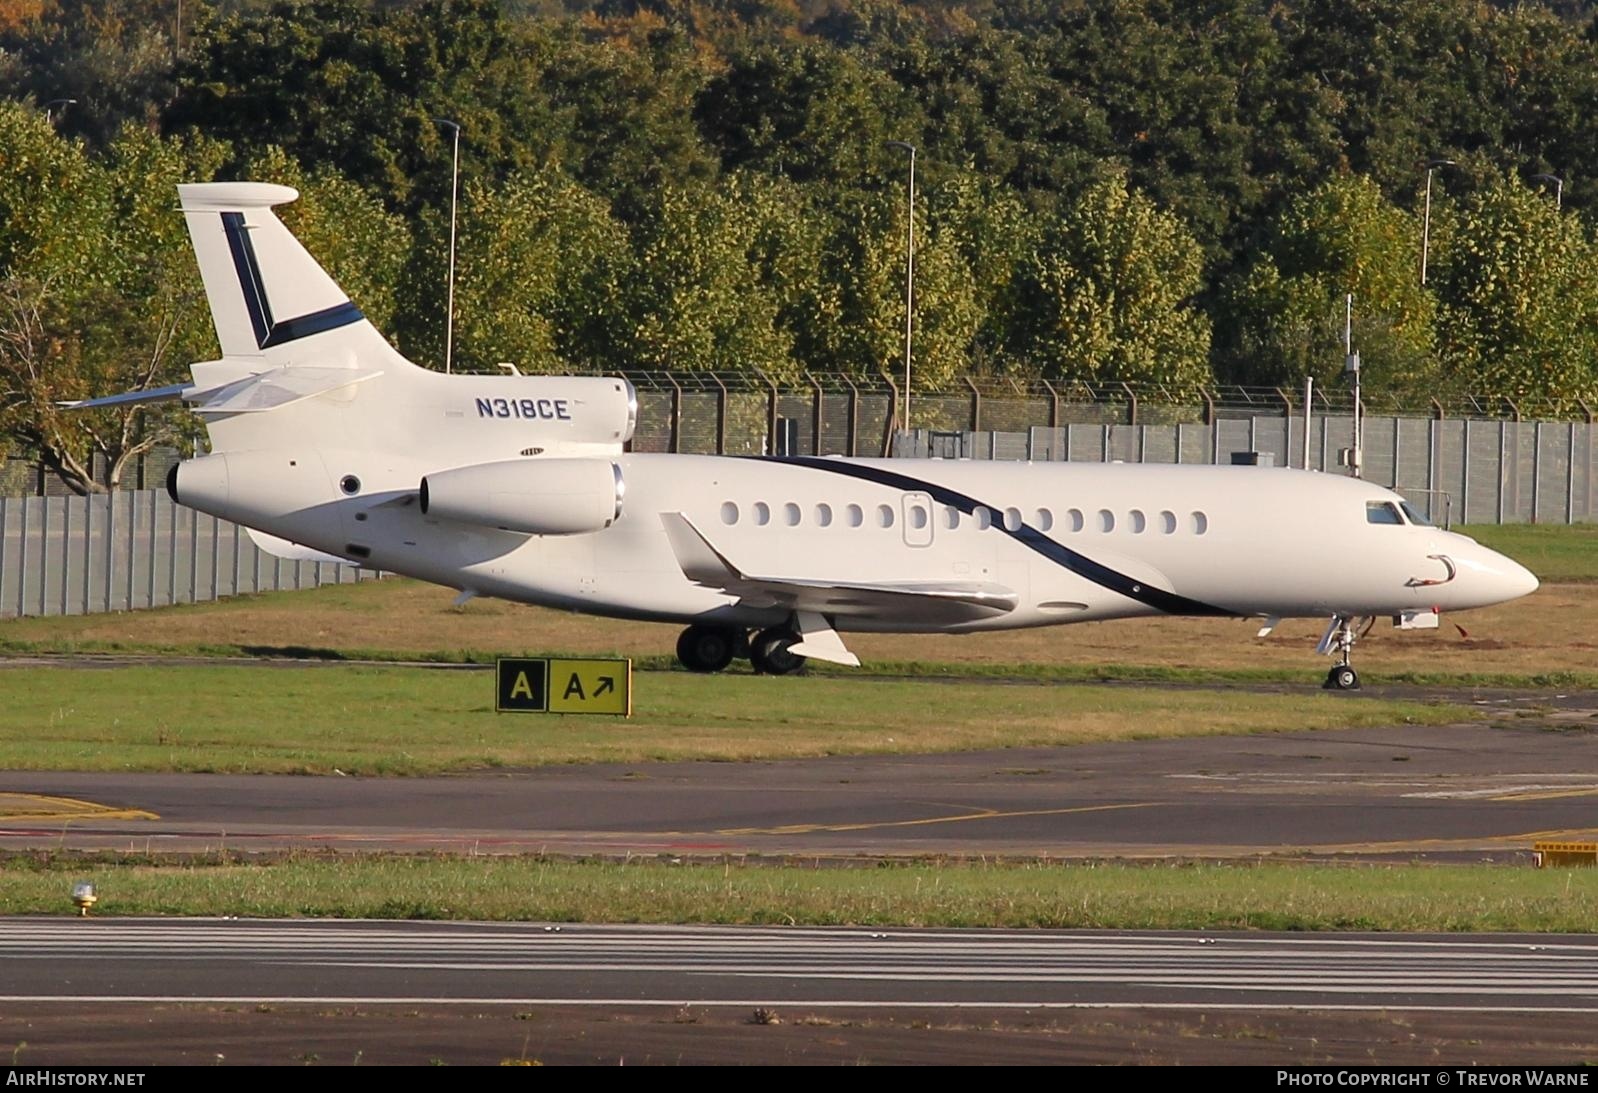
280, 387
936, 602
133, 398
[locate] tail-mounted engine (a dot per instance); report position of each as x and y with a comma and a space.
535, 496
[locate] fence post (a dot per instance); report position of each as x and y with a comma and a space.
976, 407
44, 553
1536, 466
88, 552
1464, 477
721, 415
1054, 404
852, 420
149, 596
674, 443
815, 417
110, 547
1570, 476
22, 564
66, 554
1503, 427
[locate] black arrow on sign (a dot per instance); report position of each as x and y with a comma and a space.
606, 683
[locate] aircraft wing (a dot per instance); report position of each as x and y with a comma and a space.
936, 602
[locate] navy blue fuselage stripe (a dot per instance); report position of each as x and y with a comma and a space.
267, 332
1028, 536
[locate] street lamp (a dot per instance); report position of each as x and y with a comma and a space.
454, 189
53, 103
1559, 188
1426, 229
909, 270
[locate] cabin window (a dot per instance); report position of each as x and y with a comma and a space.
884, 516
729, 513
1382, 512
790, 514
983, 517
1106, 520
951, 517
1139, 522
1044, 519
1012, 519
917, 516
1075, 517
824, 515
1201, 523
854, 515
1168, 523
762, 513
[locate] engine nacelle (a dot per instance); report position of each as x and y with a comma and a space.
536, 496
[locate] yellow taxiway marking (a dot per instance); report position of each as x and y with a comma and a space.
964, 817
15, 807
1546, 794
1464, 843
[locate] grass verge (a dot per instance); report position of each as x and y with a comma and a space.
1270, 895
387, 721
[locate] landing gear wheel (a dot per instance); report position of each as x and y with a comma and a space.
1342, 678
706, 648
769, 652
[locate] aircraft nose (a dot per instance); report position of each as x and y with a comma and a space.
1497, 579
1518, 580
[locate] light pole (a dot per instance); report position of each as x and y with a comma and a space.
909, 271
1559, 188
1426, 228
53, 103
454, 188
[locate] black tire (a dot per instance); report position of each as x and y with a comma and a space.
769, 652
1342, 678
706, 648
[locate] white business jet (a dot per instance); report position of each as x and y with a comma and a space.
325, 442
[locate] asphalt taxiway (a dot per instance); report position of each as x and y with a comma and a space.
1470, 790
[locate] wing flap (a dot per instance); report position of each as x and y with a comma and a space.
945, 602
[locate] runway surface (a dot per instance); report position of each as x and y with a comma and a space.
1454, 791
369, 963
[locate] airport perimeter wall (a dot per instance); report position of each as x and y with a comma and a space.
130, 549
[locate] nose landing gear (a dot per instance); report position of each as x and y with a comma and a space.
1339, 639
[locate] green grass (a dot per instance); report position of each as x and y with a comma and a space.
1557, 553
1271, 895
381, 720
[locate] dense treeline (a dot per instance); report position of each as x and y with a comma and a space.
1107, 190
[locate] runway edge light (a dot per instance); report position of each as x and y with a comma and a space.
83, 897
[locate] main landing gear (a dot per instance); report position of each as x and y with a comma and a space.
1339, 640
711, 648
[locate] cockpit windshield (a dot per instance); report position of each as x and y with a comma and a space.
1414, 515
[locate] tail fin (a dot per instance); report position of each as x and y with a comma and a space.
264, 288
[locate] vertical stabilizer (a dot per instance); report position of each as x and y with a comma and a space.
264, 288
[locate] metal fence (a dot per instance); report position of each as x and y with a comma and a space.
134, 549
1455, 470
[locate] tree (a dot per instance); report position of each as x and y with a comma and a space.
1107, 296
1518, 280
693, 300
1287, 312
539, 274
98, 296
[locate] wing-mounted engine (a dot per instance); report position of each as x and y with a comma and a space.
535, 496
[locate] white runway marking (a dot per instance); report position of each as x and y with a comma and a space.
371, 963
